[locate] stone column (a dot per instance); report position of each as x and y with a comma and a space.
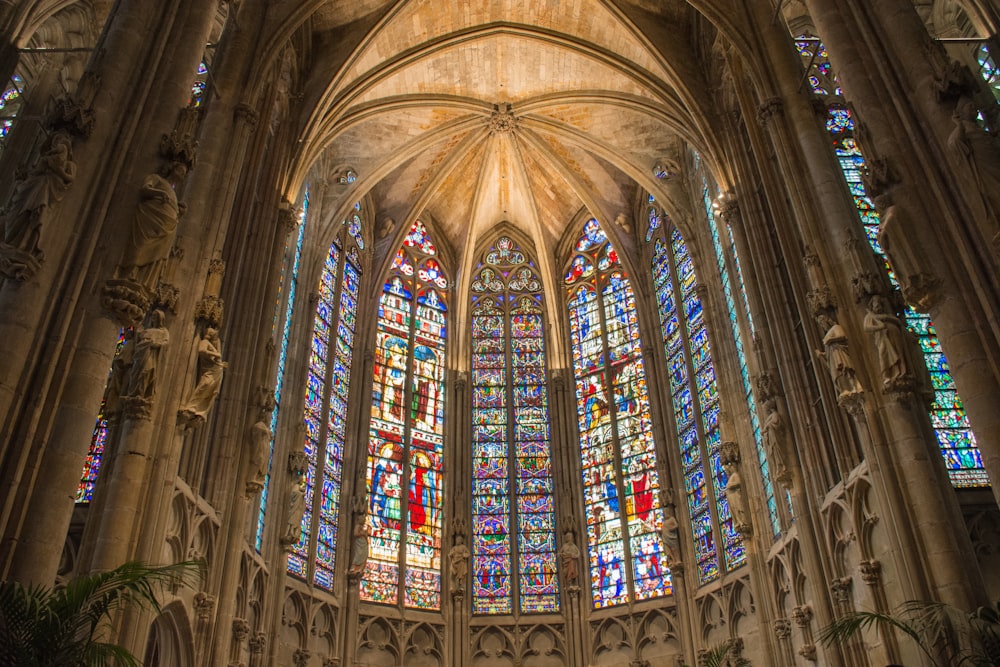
925, 229
66, 304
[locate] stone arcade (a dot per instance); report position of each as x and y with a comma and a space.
503, 332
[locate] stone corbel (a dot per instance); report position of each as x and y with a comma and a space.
180, 145
871, 571
769, 110
204, 606
841, 590
782, 629
257, 643
73, 113
241, 629
301, 657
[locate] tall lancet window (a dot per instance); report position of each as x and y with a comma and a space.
951, 424
513, 508
325, 413
695, 400
406, 432
620, 480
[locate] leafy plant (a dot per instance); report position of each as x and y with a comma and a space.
722, 655
949, 637
60, 627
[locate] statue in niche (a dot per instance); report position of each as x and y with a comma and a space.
147, 347
45, 185
670, 534
260, 448
980, 152
838, 357
296, 510
210, 369
734, 494
153, 228
887, 333
569, 557
458, 563
359, 548
775, 435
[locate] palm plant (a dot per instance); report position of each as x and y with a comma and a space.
949, 637
49, 627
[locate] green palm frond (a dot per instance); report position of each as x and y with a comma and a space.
43, 627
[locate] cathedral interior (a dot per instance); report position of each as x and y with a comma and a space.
504, 333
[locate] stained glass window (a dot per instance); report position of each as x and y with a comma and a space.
736, 302
99, 439
951, 424
325, 413
620, 476
199, 86
988, 69
513, 508
406, 432
695, 400
286, 329
10, 105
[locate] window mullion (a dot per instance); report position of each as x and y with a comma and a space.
407, 410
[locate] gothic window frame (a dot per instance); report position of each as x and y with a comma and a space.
332, 343
504, 285
594, 267
411, 579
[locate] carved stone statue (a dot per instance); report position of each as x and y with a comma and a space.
49, 178
670, 534
153, 229
149, 343
838, 357
359, 548
296, 510
569, 557
735, 496
258, 450
210, 369
887, 333
980, 151
458, 563
776, 443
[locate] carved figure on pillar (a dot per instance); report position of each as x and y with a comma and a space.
45, 185
776, 442
838, 358
980, 152
296, 509
148, 345
153, 228
890, 345
259, 449
569, 557
129, 293
458, 565
730, 457
210, 369
359, 547
670, 534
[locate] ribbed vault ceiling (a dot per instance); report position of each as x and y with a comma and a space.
418, 108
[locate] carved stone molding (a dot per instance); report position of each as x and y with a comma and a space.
809, 652
258, 643
502, 119
770, 109
73, 113
204, 606
841, 590
247, 114
17, 264
871, 571
241, 629
126, 301
922, 291
298, 461
821, 300
166, 297
729, 453
802, 615
181, 145
209, 311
